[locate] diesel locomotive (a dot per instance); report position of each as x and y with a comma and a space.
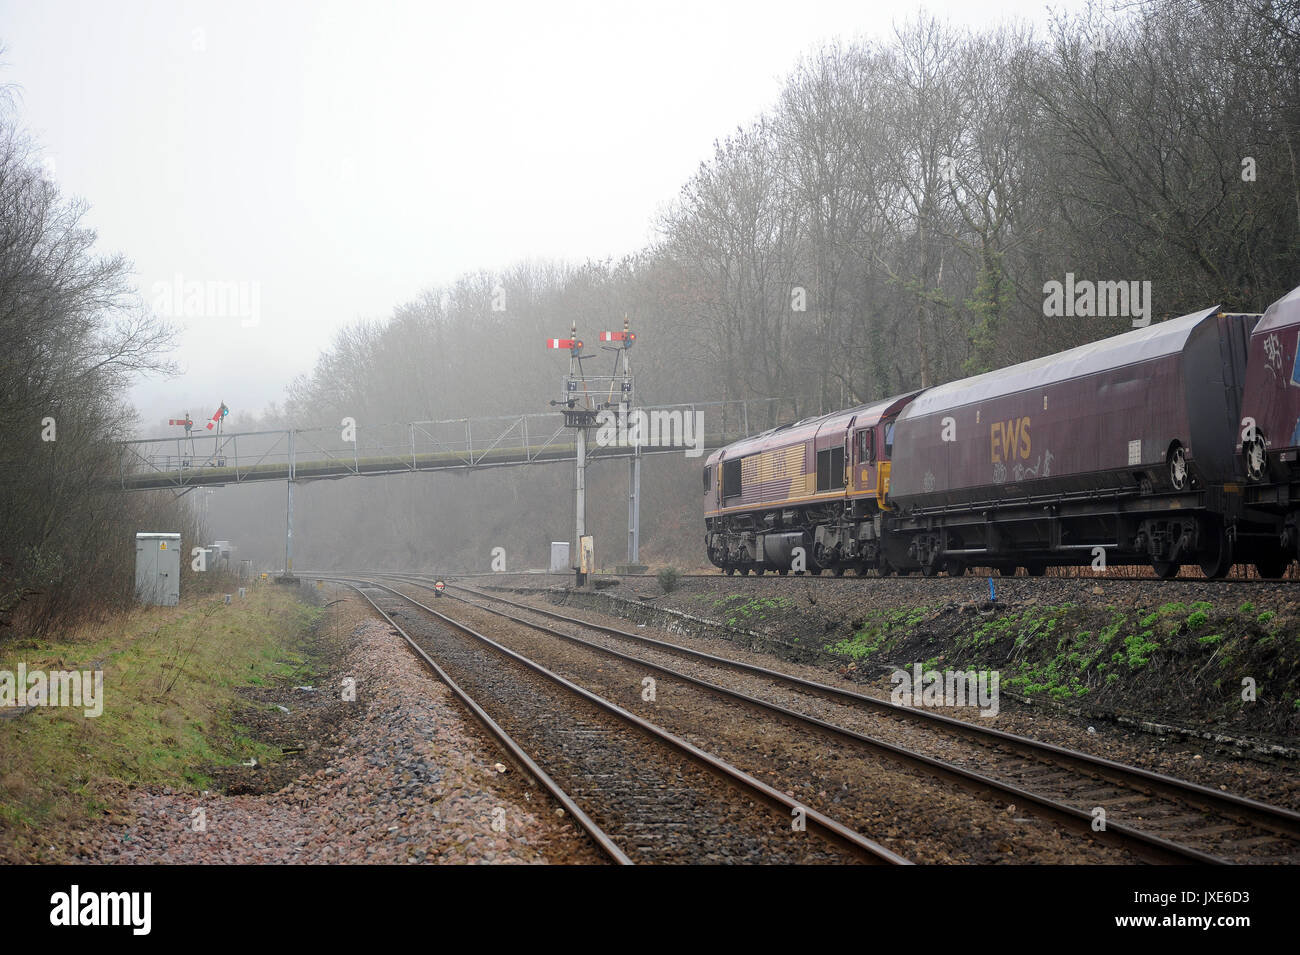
1175, 444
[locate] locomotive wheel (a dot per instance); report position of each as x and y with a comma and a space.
955, 568
1216, 562
1035, 570
1273, 566
928, 569
729, 571
1178, 468
1006, 571
1256, 459
1165, 570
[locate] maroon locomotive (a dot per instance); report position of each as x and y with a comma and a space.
1172, 444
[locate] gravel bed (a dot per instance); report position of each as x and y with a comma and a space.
413, 780
1168, 818
1217, 765
656, 804
923, 818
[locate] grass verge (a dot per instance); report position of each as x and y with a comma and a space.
171, 677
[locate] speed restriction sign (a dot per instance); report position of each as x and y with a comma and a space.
438, 587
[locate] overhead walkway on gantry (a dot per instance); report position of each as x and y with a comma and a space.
460, 444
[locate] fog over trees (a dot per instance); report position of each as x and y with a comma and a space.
73, 334
888, 223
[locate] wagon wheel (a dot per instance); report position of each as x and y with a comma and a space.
744, 571
783, 571
839, 571
1216, 560
758, 571
816, 571
1036, 569
1005, 571
729, 571
1178, 468
1256, 458
1165, 569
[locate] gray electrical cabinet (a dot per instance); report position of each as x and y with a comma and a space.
158, 569
560, 557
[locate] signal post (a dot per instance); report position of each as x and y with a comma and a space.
583, 399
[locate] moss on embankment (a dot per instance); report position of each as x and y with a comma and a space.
1197, 662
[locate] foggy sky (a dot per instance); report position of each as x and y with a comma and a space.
334, 159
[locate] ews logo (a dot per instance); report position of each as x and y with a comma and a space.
1010, 440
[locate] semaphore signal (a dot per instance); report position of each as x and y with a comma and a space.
217, 418
584, 399
572, 344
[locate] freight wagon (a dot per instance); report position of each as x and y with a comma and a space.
1112, 450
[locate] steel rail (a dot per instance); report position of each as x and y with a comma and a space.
1153, 847
830, 828
1276, 818
598, 835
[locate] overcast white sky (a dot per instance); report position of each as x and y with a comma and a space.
345, 155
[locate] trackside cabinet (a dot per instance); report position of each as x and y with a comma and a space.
158, 568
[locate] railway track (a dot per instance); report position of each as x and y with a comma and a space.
850, 579
642, 794
1163, 818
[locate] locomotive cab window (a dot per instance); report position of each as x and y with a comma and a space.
830, 469
731, 478
889, 440
866, 446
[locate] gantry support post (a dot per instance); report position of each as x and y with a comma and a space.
288, 513
288, 533
580, 508
634, 506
